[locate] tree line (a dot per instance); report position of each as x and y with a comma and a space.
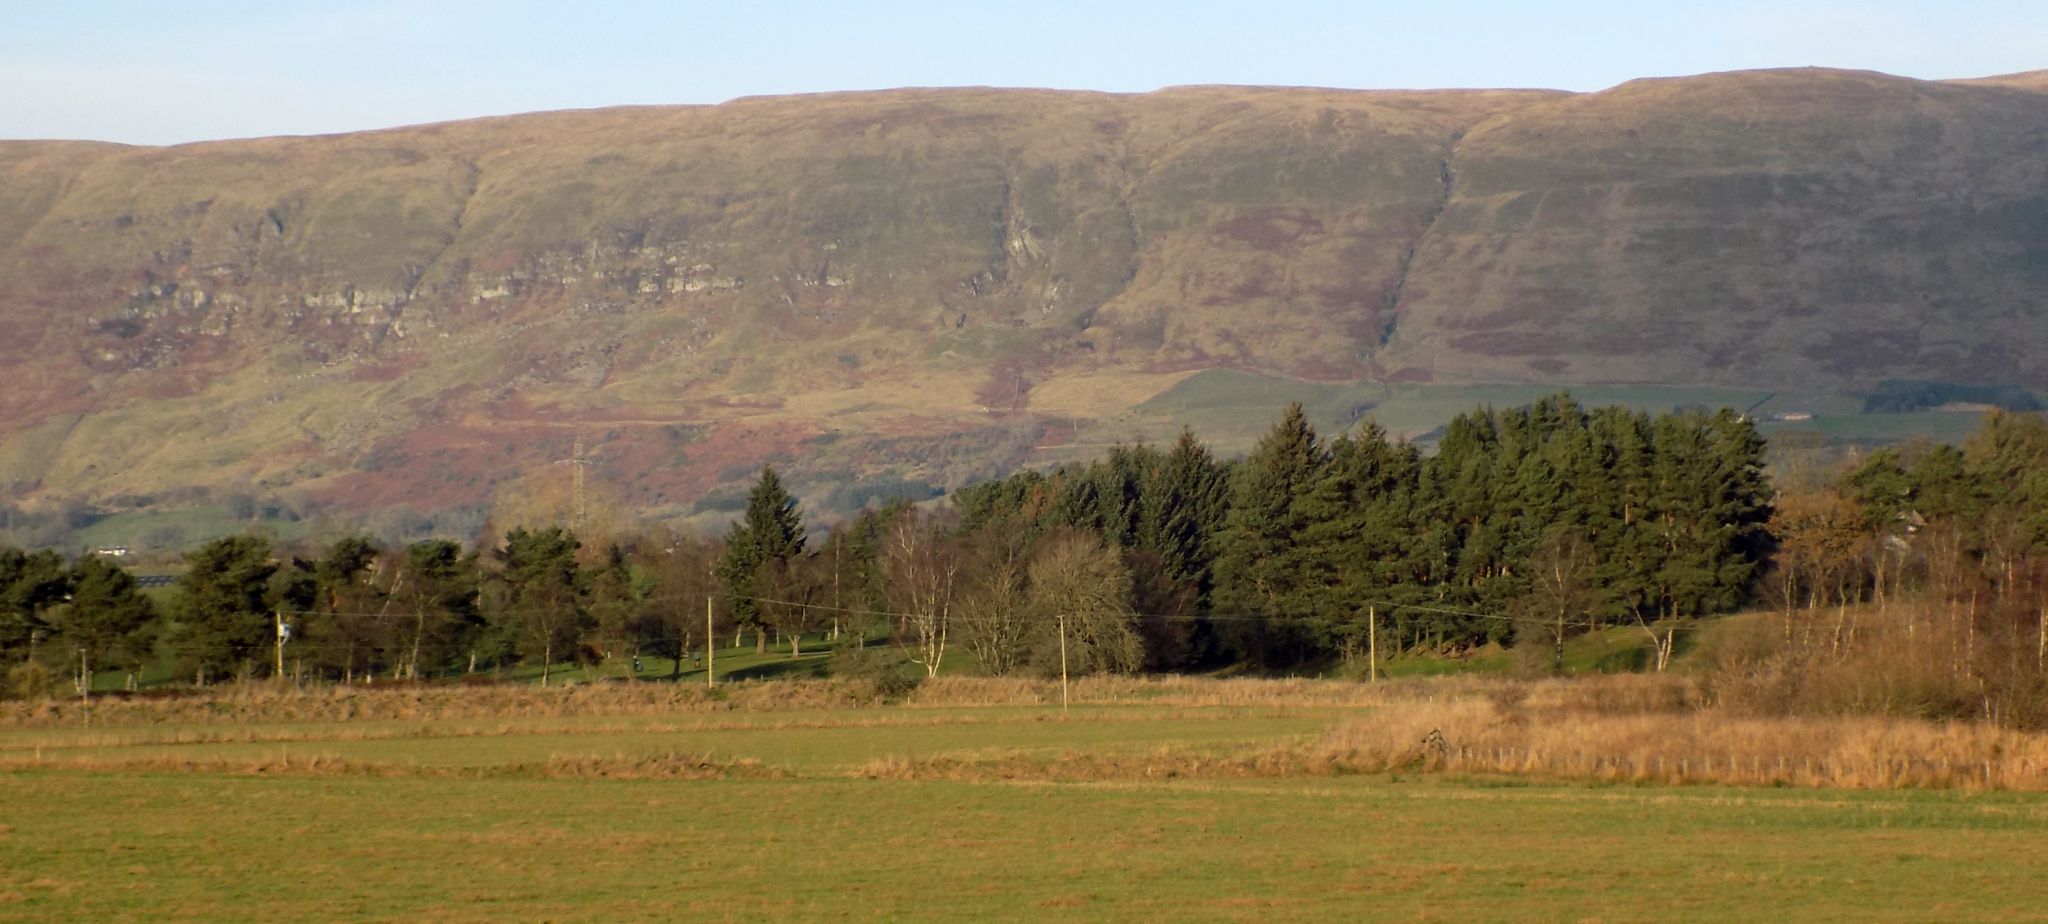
1914, 583
1525, 524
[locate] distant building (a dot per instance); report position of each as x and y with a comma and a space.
1792, 415
112, 551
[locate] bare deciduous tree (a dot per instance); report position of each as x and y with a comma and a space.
993, 620
923, 571
1078, 580
1562, 590
792, 598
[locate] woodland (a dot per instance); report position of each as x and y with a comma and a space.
1912, 581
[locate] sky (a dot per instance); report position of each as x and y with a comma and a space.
173, 72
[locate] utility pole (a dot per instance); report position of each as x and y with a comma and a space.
1063, 665
710, 649
1372, 644
576, 461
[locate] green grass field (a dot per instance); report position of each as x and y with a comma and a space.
477, 819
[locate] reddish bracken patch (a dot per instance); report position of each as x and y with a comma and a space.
1270, 229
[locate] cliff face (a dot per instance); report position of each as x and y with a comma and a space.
848, 281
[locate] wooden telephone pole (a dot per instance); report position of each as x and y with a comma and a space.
710, 650
1063, 665
1372, 644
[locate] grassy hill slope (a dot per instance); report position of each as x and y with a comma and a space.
908, 289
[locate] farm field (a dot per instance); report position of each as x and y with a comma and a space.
1146, 801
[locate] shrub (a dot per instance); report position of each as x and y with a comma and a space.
32, 680
883, 671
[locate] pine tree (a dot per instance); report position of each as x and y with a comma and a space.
346, 626
440, 592
545, 593
108, 619
30, 583
224, 616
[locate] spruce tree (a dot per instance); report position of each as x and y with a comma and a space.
771, 530
1358, 539
1181, 510
1257, 570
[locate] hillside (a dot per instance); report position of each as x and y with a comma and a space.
901, 291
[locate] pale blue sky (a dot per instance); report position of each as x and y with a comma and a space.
167, 72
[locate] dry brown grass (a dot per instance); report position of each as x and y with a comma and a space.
1705, 746
1619, 729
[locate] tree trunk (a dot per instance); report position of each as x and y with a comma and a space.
1970, 632
1558, 666
419, 632
547, 661
2040, 649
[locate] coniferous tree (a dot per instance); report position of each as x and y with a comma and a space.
30, 583
224, 615
440, 592
108, 618
1183, 506
545, 591
857, 584
1257, 568
1357, 541
348, 624
618, 593
772, 529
